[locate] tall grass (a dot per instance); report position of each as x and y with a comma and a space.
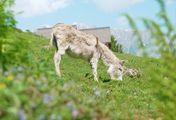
163, 33
7, 23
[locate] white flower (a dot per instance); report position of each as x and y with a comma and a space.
20, 69
97, 93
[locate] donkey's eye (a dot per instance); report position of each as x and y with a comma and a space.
120, 69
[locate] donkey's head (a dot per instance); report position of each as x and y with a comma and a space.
116, 71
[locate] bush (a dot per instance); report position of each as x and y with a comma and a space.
164, 36
7, 23
115, 46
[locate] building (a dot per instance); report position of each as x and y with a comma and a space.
124, 37
103, 33
44, 32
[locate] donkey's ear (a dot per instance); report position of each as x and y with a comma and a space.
122, 62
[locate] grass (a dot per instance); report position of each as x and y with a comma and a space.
31, 90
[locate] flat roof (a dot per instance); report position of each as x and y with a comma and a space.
78, 29
95, 28
44, 28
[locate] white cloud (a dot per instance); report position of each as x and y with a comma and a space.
113, 5
30, 8
45, 26
170, 2
122, 22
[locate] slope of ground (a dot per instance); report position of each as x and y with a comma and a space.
31, 90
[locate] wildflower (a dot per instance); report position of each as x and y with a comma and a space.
6, 73
47, 98
1, 71
20, 69
97, 93
43, 78
10, 77
13, 69
59, 118
42, 117
2, 86
70, 105
21, 115
20, 76
108, 92
55, 117
75, 113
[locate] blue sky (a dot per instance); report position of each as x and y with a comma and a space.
86, 13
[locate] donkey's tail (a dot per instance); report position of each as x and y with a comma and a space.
96, 42
53, 41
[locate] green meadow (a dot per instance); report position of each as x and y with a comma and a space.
30, 89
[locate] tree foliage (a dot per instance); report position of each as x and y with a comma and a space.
163, 33
7, 20
12, 51
116, 47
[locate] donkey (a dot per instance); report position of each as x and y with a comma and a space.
67, 39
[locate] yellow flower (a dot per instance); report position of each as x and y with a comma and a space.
10, 77
2, 86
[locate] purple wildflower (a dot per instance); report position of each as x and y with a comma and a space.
47, 98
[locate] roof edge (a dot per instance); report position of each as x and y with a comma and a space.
44, 28
78, 29
94, 28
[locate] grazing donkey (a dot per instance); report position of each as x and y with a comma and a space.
67, 39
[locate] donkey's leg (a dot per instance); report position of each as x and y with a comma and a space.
57, 59
94, 62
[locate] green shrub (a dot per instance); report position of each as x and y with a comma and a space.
7, 23
164, 36
116, 47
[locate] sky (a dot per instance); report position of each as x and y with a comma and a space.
33, 14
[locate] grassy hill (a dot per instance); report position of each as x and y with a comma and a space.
31, 90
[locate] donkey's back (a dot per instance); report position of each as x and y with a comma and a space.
68, 38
